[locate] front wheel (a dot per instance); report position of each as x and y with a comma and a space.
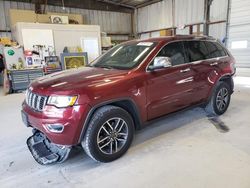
219, 100
109, 134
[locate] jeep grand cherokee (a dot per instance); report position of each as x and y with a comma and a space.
100, 106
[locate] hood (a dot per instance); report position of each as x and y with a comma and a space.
74, 80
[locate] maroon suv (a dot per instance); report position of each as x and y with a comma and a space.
100, 106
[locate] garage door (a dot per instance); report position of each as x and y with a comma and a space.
239, 32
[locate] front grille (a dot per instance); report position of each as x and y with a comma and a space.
36, 102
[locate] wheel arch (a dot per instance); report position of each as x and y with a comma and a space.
125, 103
225, 78
229, 80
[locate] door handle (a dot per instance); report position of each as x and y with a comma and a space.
185, 70
213, 64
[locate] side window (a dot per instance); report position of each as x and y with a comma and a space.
215, 50
221, 50
175, 51
196, 50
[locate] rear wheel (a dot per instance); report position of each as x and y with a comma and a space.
109, 134
219, 100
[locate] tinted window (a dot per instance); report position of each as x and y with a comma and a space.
196, 50
215, 50
175, 51
220, 49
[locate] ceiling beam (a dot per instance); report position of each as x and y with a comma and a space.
116, 3
148, 3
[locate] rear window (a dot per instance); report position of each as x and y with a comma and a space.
196, 50
215, 50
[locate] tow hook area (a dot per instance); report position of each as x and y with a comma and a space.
45, 152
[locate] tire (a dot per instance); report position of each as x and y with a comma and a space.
109, 134
220, 99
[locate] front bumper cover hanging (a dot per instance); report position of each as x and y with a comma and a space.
45, 152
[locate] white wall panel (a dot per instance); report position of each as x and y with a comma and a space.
182, 31
155, 16
239, 32
218, 31
218, 10
188, 12
2, 16
145, 36
155, 34
159, 15
5, 34
240, 12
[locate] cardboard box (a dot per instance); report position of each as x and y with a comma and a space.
31, 17
166, 32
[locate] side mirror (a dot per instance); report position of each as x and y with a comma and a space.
160, 63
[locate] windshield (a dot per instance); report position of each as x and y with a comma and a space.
124, 56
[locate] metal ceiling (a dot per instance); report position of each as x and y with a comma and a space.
131, 3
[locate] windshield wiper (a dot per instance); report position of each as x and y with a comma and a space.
104, 66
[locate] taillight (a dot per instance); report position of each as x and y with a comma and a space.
233, 68
232, 65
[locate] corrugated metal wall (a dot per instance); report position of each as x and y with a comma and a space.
110, 22
218, 10
186, 12
4, 14
155, 16
239, 32
218, 31
159, 15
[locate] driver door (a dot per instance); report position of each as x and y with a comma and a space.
170, 89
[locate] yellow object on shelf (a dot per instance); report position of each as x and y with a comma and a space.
165, 32
5, 41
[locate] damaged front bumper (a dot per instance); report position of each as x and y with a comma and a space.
45, 152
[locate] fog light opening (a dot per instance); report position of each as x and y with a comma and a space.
55, 128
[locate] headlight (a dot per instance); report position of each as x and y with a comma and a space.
62, 101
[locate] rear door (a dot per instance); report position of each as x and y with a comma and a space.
170, 89
198, 56
218, 57
207, 58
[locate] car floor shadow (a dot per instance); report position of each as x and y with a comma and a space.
154, 129
168, 123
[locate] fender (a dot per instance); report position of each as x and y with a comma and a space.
227, 78
135, 113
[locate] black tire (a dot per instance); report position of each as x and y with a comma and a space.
99, 128
213, 107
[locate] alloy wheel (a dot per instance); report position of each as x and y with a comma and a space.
222, 99
112, 136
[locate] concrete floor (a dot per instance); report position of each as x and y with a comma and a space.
183, 150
